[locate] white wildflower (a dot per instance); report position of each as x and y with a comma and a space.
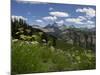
52, 48
15, 40
43, 40
34, 42
21, 43
27, 42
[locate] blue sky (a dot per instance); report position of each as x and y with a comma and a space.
44, 13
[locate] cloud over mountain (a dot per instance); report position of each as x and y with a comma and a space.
50, 18
74, 20
40, 21
59, 14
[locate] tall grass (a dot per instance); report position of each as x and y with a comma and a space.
33, 57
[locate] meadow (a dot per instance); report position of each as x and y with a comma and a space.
33, 57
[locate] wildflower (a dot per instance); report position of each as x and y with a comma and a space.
28, 31
34, 42
44, 40
17, 33
21, 43
15, 40
52, 48
22, 36
20, 29
27, 42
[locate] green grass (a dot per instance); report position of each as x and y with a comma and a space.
33, 58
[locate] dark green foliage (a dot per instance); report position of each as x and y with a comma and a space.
21, 30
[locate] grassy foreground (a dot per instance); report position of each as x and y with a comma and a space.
31, 57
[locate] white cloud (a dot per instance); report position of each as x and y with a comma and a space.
82, 18
50, 18
18, 17
59, 14
31, 2
74, 20
90, 22
40, 21
61, 22
51, 8
90, 12
79, 20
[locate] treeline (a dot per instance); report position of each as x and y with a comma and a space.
84, 38
22, 31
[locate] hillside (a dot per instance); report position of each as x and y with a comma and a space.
49, 49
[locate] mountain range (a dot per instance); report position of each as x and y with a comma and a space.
60, 30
